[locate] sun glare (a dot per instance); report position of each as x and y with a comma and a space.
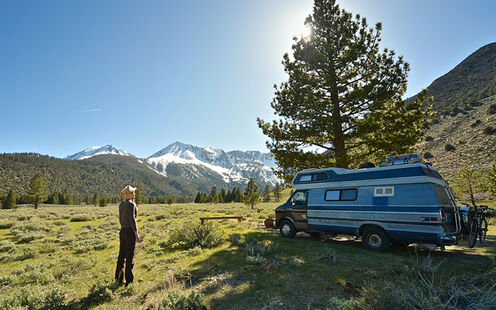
303, 31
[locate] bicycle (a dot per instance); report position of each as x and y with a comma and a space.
478, 225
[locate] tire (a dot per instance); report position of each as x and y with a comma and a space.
483, 232
287, 229
472, 234
375, 239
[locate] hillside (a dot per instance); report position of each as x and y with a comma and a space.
471, 80
178, 169
103, 174
472, 135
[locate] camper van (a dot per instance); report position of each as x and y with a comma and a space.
404, 200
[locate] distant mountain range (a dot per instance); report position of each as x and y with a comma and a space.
178, 169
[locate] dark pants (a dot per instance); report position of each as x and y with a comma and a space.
126, 252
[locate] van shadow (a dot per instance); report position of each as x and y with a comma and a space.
234, 283
460, 254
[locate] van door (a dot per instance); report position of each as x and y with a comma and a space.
298, 210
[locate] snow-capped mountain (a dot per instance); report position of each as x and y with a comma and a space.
199, 167
233, 167
98, 150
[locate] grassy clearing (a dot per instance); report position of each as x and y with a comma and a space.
50, 260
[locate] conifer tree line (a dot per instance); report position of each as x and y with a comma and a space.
37, 194
235, 195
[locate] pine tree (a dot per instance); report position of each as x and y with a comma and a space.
277, 192
251, 196
468, 181
222, 195
37, 192
139, 195
228, 196
343, 95
266, 194
103, 201
95, 199
198, 197
491, 178
213, 197
237, 194
10, 201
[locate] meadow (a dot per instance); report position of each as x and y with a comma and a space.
63, 257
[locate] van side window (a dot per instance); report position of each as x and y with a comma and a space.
341, 195
384, 191
348, 194
314, 177
332, 195
305, 178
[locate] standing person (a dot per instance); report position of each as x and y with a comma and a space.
128, 235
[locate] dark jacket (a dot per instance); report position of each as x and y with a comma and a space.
127, 215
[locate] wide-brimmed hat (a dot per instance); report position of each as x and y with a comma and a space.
127, 192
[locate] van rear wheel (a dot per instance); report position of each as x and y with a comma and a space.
375, 239
287, 229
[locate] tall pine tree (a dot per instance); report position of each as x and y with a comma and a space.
10, 200
277, 192
37, 192
213, 197
343, 96
491, 178
251, 196
266, 194
139, 195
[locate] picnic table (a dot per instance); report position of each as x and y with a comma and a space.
203, 219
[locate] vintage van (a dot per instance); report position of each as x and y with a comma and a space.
400, 202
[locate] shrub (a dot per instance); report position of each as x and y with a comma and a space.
5, 280
237, 239
450, 148
476, 123
258, 248
6, 246
160, 217
80, 217
192, 235
178, 300
99, 293
428, 155
5, 225
28, 237
489, 130
492, 109
37, 298
96, 243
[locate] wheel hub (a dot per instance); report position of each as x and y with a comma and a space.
286, 229
374, 240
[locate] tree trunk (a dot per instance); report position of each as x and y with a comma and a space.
339, 145
36, 205
472, 195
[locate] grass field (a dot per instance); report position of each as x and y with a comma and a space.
64, 257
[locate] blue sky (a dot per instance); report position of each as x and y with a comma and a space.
142, 74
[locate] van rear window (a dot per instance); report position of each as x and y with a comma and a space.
341, 195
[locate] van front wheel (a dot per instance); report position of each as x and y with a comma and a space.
287, 229
375, 239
